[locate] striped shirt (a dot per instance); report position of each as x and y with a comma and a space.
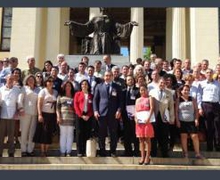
65, 108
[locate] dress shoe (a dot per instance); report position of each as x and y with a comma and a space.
102, 153
68, 155
79, 155
113, 155
30, 154
165, 155
10, 155
217, 148
136, 154
141, 162
24, 154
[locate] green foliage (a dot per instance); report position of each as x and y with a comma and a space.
147, 53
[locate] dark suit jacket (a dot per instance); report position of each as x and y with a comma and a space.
57, 84
120, 82
128, 100
79, 104
94, 83
105, 104
104, 67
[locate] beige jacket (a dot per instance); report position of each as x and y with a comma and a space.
165, 105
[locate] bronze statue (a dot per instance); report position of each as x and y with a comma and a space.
107, 33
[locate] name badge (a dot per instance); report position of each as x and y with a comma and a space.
132, 97
114, 93
69, 102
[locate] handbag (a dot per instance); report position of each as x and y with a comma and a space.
91, 147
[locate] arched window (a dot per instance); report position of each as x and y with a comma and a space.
6, 29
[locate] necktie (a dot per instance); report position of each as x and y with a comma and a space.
108, 88
161, 94
108, 68
90, 80
128, 94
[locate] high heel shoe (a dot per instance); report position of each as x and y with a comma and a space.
141, 162
147, 163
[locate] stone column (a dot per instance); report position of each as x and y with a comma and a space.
179, 33
57, 33
204, 35
28, 35
137, 35
168, 33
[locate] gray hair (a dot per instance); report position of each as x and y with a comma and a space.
60, 55
115, 68
30, 57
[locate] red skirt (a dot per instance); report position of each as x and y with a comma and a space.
144, 130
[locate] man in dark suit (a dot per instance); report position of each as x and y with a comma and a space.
130, 94
57, 81
116, 77
107, 106
93, 81
107, 61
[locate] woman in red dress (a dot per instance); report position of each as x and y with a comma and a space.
144, 128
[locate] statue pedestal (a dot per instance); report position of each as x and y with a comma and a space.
74, 60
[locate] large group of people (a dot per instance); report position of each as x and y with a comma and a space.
148, 106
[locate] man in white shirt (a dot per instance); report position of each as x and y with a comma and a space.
8, 100
63, 74
208, 104
81, 75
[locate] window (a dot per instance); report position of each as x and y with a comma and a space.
6, 29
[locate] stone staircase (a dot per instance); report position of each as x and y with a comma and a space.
54, 162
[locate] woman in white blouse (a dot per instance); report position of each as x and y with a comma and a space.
46, 115
28, 120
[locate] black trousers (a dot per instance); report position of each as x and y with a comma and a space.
173, 135
130, 138
212, 122
108, 125
161, 137
83, 131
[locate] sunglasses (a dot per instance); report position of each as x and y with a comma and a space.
39, 76
50, 81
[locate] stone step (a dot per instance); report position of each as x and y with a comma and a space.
177, 153
100, 161
102, 167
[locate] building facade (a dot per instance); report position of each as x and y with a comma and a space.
170, 32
